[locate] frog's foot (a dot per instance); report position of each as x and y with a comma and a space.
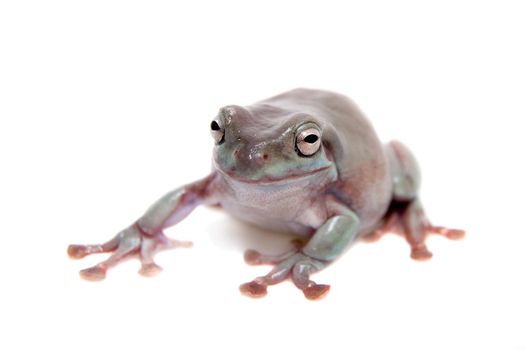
128, 243
298, 266
416, 228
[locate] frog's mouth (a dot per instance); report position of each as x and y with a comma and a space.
270, 180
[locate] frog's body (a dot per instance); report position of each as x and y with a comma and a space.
306, 162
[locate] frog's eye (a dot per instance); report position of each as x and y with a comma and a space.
217, 131
308, 141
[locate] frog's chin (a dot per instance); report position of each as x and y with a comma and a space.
270, 180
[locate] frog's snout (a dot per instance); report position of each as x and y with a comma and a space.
250, 158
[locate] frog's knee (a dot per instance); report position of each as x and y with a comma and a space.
406, 176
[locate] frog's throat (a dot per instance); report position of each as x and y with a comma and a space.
268, 180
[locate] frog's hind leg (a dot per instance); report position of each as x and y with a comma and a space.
415, 224
412, 221
416, 228
406, 179
408, 218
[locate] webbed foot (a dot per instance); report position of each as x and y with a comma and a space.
316, 291
95, 273
410, 220
255, 289
131, 242
291, 264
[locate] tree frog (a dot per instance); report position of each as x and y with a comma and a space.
306, 162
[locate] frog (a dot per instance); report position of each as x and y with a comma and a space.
305, 162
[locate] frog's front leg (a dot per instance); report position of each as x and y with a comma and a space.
145, 237
326, 245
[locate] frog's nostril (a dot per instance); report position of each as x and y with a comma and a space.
237, 154
261, 158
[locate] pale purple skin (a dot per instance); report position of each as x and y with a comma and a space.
351, 186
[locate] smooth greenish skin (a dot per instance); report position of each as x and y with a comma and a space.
328, 199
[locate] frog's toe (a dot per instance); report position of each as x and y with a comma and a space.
450, 233
95, 273
421, 253
77, 251
253, 257
150, 269
254, 289
316, 291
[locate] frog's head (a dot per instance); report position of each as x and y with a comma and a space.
264, 145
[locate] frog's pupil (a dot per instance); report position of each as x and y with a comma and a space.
215, 126
311, 138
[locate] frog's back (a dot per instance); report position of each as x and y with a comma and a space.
364, 182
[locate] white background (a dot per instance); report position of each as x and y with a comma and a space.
105, 106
